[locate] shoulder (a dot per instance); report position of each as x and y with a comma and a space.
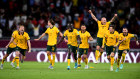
116, 32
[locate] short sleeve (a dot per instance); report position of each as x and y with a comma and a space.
57, 30
65, 33
131, 35
27, 37
98, 22
47, 30
88, 34
14, 34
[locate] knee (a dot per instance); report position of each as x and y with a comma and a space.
112, 54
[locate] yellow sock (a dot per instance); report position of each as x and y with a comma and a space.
118, 62
86, 61
53, 60
123, 58
49, 57
68, 62
13, 60
79, 61
112, 60
96, 54
17, 61
2, 61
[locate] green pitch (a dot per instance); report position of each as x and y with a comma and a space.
35, 70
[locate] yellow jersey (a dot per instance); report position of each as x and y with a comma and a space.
72, 37
111, 38
84, 39
125, 44
102, 29
52, 35
12, 45
21, 39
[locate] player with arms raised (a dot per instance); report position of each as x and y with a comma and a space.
103, 26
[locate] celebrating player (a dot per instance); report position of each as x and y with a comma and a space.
124, 41
83, 47
10, 49
110, 39
73, 36
103, 26
22, 40
52, 32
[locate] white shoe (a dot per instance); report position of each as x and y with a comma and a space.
17, 67
86, 67
111, 68
96, 61
12, 64
1, 67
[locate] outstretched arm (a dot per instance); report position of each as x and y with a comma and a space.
12, 39
29, 45
115, 15
136, 39
93, 16
61, 40
40, 37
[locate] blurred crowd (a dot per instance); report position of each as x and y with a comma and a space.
33, 14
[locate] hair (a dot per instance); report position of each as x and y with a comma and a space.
83, 25
51, 21
112, 25
125, 28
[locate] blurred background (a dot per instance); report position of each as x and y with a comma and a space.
35, 13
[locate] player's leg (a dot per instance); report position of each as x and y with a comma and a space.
123, 58
69, 54
17, 59
79, 57
49, 55
97, 54
112, 61
85, 58
74, 50
118, 60
98, 48
3, 60
23, 52
9, 51
113, 50
53, 53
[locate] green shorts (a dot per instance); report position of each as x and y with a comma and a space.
110, 49
10, 50
99, 41
83, 51
120, 52
73, 48
51, 48
22, 51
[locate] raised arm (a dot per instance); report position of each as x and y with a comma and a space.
29, 46
115, 15
40, 37
12, 39
93, 16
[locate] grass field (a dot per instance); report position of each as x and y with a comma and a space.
35, 70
